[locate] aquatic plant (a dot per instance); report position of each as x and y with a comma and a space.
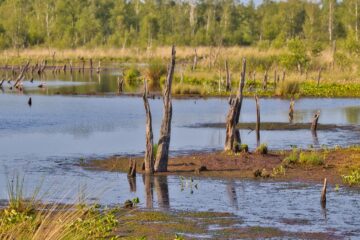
244, 148
353, 178
280, 170
292, 158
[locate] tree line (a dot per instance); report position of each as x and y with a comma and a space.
147, 23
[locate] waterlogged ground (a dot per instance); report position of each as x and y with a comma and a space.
45, 142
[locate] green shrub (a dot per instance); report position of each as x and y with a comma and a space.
311, 158
292, 158
155, 71
353, 178
288, 88
132, 74
263, 149
244, 148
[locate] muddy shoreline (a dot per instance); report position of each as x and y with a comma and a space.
223, 165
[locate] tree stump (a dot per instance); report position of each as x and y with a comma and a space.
291, 110
162, 154
132, 168
315, 121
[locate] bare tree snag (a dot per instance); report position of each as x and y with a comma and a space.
323, 194
149, 156
162, 154
319, 77
315, 121
257, 120
291, 110
195, 60
120, 84
228, 79
21, 75
132, 168
232, 141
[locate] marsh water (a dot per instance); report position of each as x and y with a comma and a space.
45, 142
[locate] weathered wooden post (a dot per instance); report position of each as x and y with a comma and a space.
162, 154
315, 121
120, 84
319, 76
228, 79
232, 140
265, 79
323, 194
257, 120
149, 156
195, 60
291, 110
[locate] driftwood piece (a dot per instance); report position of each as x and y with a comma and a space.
291, 110
323, 194
315, 121
132, 168
149, 156
228, 79
232, 140
162, 154
257, 120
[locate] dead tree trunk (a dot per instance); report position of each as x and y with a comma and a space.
132, 168
291, 110
232, 141
315, 121
21, 75
323, 194
91, 64
195, 60
265, 80
257, 120
149, 156
120, 84
162, 154
228, 80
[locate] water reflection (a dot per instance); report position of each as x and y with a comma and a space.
149, 192
132, 183
231, 191
162, 191
352, 114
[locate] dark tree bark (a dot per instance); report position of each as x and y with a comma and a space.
162, 154
232, 141
228, 79
257, 120
149, 156
315, 121
291, 110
